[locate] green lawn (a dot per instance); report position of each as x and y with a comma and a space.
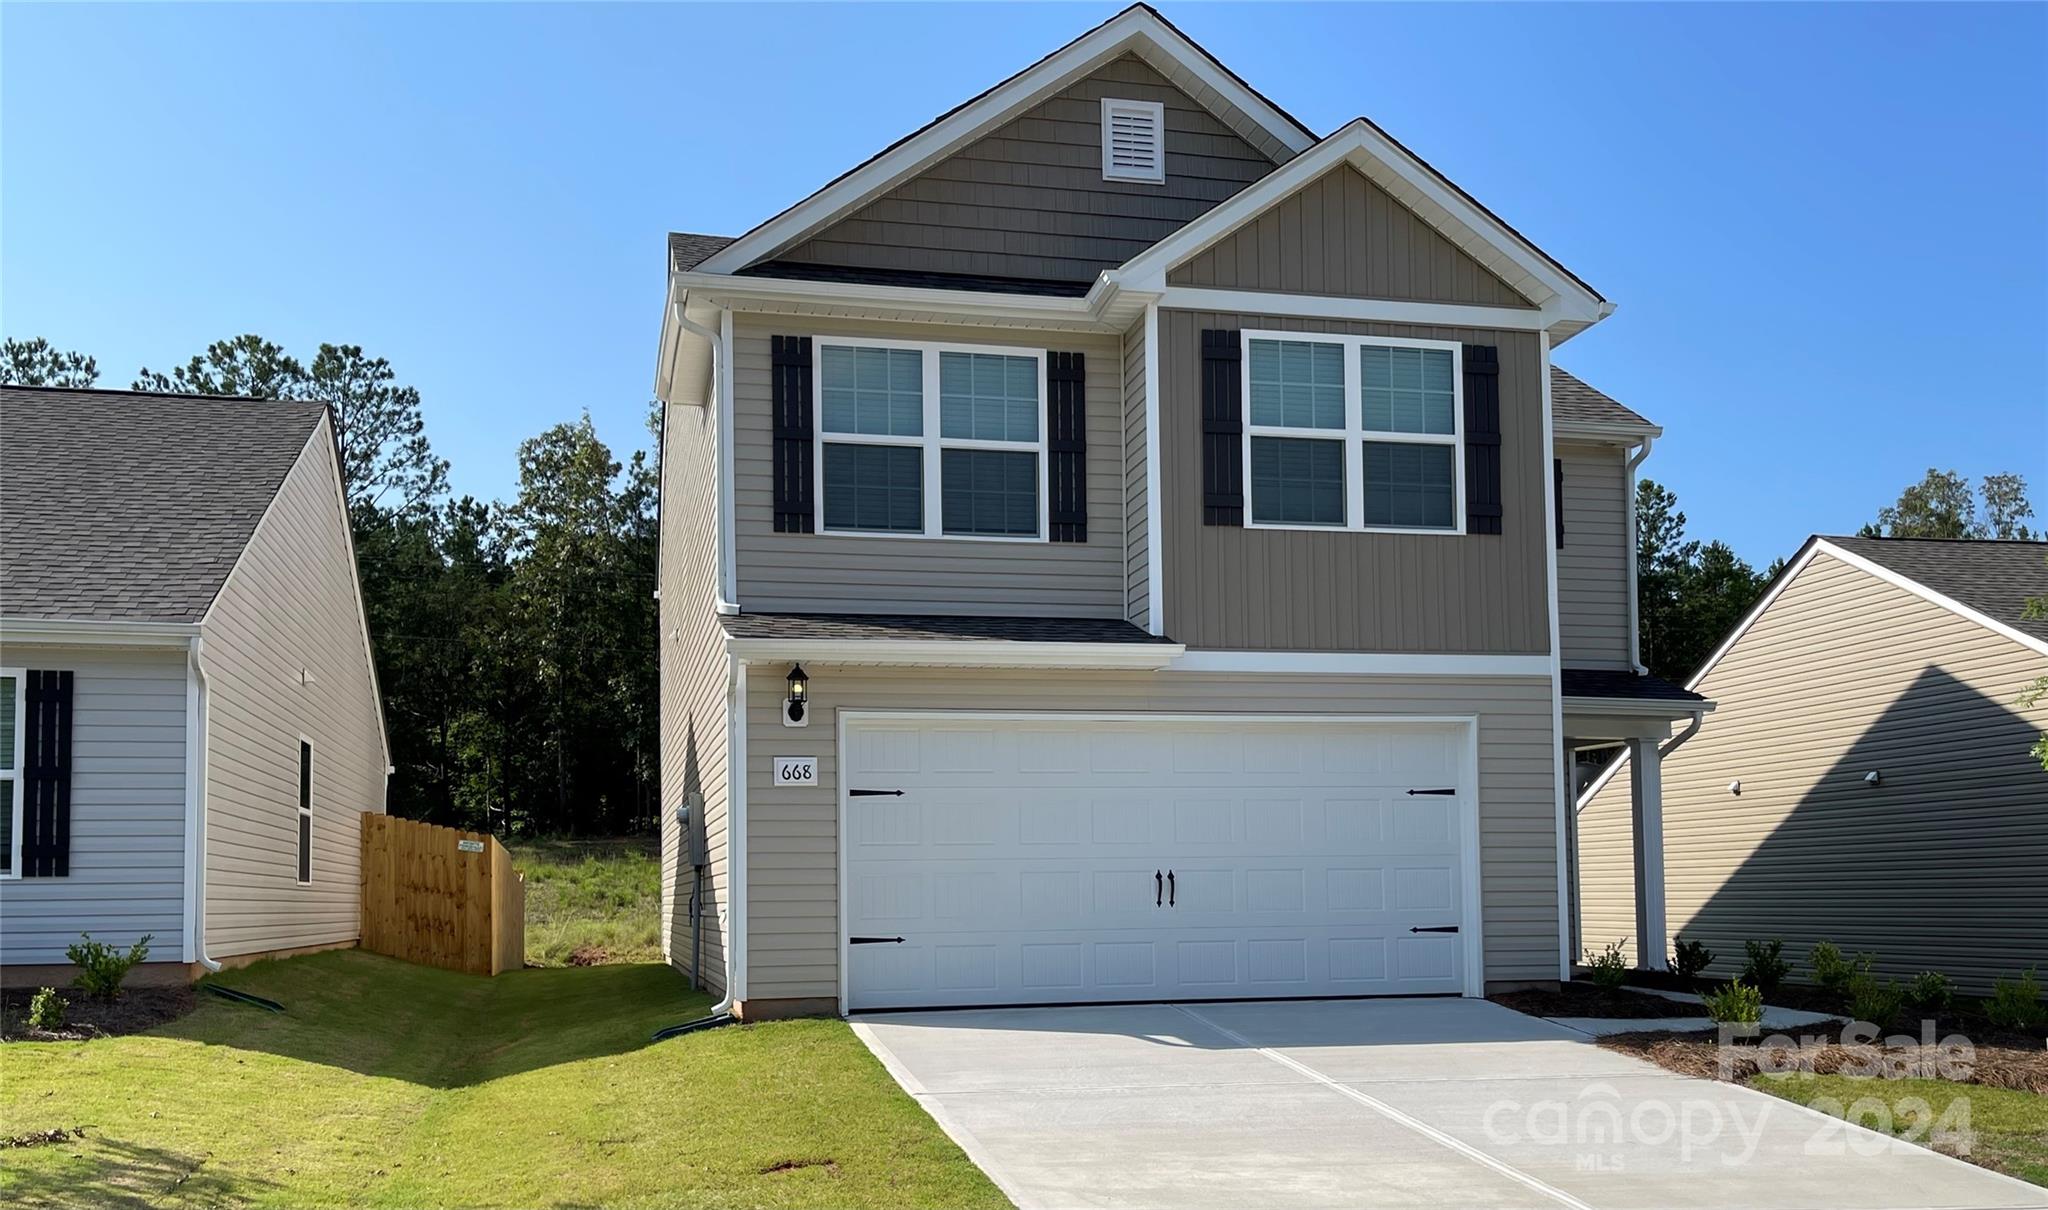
2009, 1128
591, 894
386, 1084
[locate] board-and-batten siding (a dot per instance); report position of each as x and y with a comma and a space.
290, 605
694, 719
1944, 866
1592, 567
840, 573
1137, 536
1028, 199
1343, 235
127, 868
793, 861
1270, 589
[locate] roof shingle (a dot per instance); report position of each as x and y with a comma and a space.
130, 506
1630, 686
1572, 400
687, 250
1993, 578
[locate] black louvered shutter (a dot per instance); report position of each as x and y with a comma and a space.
790, 367
1066, 443
1482, 440
1222, 429
46, 776
1557, 496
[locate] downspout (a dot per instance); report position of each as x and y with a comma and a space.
1635, 631
724, 603
197, 729
1691, 729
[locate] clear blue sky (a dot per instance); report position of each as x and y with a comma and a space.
1826, 227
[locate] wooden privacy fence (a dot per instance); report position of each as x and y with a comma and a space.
440, 897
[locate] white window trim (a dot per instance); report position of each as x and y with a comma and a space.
930, 442
1110, 171
14, 806
1354, 434
309, 753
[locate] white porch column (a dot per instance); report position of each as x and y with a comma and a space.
1646, 811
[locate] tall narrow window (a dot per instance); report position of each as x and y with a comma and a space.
305, 810
11, 727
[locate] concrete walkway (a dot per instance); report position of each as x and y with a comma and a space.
1432, 1102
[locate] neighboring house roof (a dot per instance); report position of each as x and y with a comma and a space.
132, 506
935, 627
1624, 685
1573, 402
687, 250
1993, 578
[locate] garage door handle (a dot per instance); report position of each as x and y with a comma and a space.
1446, 792
1436, 928
874, 941
1158, 888
1169, 888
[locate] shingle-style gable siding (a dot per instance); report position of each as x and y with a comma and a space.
1943, 866
1344, 235
1028, 199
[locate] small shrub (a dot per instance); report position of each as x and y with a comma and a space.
1736, 1003
1766, 967
1875, 1000
1930, 991
1833, 971
1610, 969
2016, 1003
1689, 958
101, 967
46, 1009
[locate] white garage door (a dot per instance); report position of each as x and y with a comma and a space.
1020, 862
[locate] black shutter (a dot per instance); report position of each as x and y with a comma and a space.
795, 511
1482, 440
1066, 444
46, 776
1222, 429
1557, 496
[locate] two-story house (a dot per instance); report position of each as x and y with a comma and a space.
1119, 544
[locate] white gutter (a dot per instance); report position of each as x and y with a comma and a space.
1691, 729
958, 653
198, 725
93, 633
721, 352
1635, 628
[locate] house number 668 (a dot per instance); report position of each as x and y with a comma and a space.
796, 770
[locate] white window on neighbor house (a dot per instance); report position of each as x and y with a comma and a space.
1133, 141
931, 440
13, 727
1354, 433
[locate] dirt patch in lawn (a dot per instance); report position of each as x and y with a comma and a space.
136, 1010
1577, 999
1823, 1050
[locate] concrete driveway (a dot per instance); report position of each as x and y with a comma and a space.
1433, 1102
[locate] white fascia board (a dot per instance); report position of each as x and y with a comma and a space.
1363, 146
769, 293
1203, 298
1635, 707
84, 632
1611, 434
1134, 29
1362, 663
957, 653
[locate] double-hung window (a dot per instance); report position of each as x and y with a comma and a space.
931, 440
13, 725
1354, 433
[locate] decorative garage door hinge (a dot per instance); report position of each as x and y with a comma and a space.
874, 941
872, 793
1446, 791
1434, 928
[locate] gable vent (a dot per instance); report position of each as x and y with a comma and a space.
1133, 141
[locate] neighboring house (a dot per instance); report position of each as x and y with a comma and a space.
1162, 502
1867, 779
189, 721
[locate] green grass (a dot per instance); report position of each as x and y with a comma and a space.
2008, 1128
386, 1084
591, 894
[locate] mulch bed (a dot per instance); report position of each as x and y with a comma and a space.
1820, 1048
138, 1009
1576, 999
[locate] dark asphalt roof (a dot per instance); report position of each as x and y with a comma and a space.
131, 506
1572, 399
799, 271
1993, 578
1601, 682
687, 250
935, 627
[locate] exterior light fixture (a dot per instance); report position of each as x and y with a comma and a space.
795, 712
1735, 788
1873, 778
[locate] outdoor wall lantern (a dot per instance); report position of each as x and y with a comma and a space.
793, 707
1735, 788
1873, 778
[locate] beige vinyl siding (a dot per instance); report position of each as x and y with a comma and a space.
1592, 567
694, 716
1942, 867
839, 573
1235, 588
793, 862
1341, 234
127, 868
1028, 199
291, 604
1137, 535
1607, 880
